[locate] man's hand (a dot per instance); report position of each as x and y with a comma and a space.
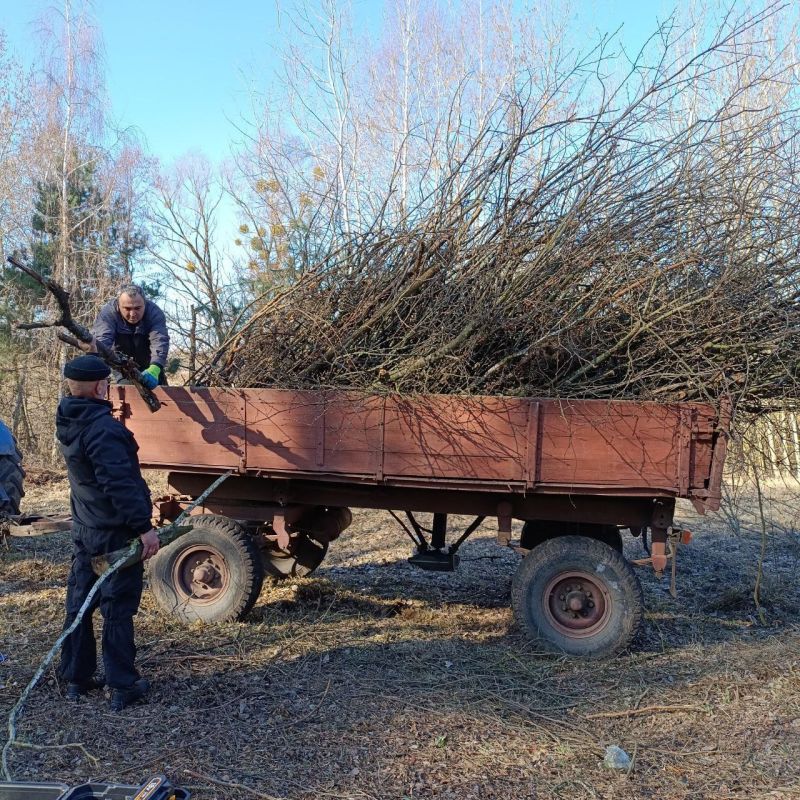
151, 375
150, 543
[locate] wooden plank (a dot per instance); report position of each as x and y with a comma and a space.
609, 444
286, 428
283, 421
714, 495
458, 426
684, 445
701, 456
192, 427
38, 526
320, 435
455, 438
380, 452
438, 465
532, 450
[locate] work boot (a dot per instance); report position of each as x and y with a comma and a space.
121, 698
74, 690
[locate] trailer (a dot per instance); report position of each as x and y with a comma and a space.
576, 473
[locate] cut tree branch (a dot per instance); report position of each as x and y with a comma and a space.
81, 337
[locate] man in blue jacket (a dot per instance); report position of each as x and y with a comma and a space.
137, 327
110, 505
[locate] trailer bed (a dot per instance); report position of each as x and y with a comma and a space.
486, 444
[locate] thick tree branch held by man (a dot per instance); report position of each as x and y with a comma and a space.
81, 337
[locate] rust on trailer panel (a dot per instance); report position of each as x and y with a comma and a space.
493, 443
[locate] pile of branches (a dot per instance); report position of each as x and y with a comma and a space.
644, 245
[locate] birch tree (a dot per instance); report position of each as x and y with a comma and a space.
79, 221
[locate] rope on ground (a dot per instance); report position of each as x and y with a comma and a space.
126, 555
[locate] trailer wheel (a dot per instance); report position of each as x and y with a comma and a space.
11, 477
211, 574
578, 595
302, 558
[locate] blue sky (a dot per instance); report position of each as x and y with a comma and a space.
174, 68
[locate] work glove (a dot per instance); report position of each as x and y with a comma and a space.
150, 376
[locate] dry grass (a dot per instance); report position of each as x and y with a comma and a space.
373, 680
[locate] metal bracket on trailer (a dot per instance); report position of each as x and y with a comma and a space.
435, 554
675, 537
504, 511
281, 534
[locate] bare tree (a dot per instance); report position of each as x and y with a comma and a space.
205, 288
75, 218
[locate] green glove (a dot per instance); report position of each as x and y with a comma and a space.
150, 376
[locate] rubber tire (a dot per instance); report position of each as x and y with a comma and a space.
579, 553
304, 556
241, 556
529, 538
11, 479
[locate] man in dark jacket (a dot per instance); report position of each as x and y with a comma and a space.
137, 327
110, 506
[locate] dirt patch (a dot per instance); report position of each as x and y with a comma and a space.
374, 680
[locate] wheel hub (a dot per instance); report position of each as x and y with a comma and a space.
204, 573
577, 604
201, 574
577, 601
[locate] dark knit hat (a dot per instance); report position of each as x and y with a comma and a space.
86, 368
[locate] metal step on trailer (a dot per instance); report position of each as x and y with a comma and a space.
157, 788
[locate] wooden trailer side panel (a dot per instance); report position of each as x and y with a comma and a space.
193, 428
456, 438
505, 444
313, 432
382, 438
616, 444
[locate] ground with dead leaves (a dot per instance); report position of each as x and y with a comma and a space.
374, 680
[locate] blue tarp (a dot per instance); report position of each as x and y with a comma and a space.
7, 448
6, 441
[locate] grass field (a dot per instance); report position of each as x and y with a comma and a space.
371, 679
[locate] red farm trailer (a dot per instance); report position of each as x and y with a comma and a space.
577, 473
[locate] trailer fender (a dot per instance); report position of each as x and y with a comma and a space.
537, 531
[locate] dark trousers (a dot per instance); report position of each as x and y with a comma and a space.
118, 599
